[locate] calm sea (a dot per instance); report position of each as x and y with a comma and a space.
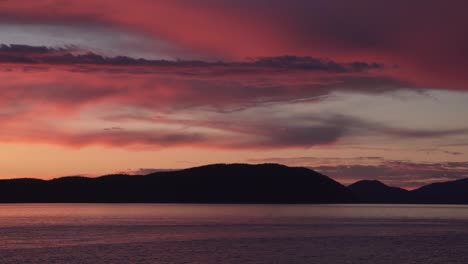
174, 233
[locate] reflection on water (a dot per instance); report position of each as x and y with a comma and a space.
172, 214
175, 233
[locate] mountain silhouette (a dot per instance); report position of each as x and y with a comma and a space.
224, 183
377, 192
219, 183
452, 192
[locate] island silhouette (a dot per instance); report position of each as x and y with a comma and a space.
224, 183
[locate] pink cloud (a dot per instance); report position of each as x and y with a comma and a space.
428, 43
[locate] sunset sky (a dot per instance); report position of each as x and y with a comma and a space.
362, 89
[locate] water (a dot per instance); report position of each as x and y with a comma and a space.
173, 233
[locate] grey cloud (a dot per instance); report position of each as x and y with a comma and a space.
297, 131
72, 55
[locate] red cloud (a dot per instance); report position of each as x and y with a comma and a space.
428, 45
42, 86
56, 77
428, 38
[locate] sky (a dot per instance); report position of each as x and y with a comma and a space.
364, 89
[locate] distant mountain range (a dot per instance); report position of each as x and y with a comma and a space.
452, 192
367, 191
224, 183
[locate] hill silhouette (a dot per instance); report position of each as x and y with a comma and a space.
377, 192
452, 192
219, 183
224, 183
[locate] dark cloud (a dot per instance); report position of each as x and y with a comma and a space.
69, 56
331, 128
111, 138
70, 77
16, 49
139, 138
309, 63
295, 131
431, 150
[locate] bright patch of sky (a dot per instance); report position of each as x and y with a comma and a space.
104, 40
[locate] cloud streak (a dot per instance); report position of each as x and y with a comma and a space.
253, 128
25, 54
70, 77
